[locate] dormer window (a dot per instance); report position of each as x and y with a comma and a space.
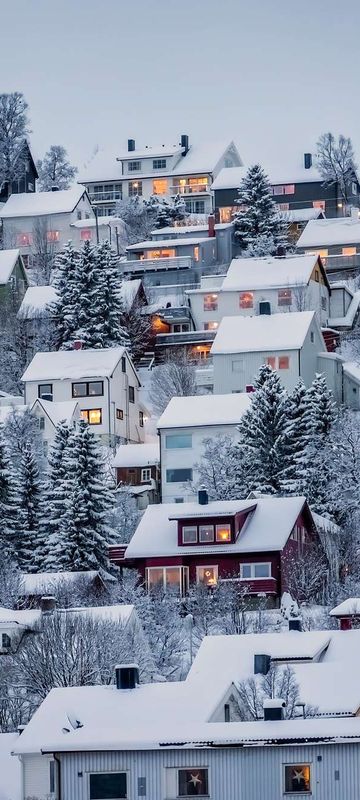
189, 534
206, 533
134, 166
223, 533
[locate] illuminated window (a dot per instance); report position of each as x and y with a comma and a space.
288, 188
167, 578
349, 251
159, 163
85, 234
196, 253
134, 166
135, 188
226, 214
53, 236
210, 302
206, 533
223, 533
207, 575
189, 534
192, 782
251, 571
93, 416
211, 326
164, 252
246, 300
319, 204
284, 297
297, 779
24, 239
283, 362
271, 362
160, 186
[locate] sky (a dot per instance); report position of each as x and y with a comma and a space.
270, 74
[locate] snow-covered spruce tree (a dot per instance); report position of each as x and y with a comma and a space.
263, 460
166, 211
258, 223
81, 543
55, 499
109, 294
321, 407
6, 500
320, 416
64, 311
298, 439
26, 502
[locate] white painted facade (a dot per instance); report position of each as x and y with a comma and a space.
47, 421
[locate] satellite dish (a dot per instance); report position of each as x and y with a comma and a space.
75, 723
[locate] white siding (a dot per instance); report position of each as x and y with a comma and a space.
233, 372
37, 777
13, 226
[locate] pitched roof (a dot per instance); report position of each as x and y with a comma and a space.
36, 204
328, 232
231, 177
262, 333
36, 300
8, 259
269, 272
57, 412
181, 241
137, 455
73, 364
347, 608
267, 528
43, 582
201, 410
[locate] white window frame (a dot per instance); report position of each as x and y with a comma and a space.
304, 792
145, 474
192, 528
206, 541
110, 772
184, 577
252, 566
214, 567
222, 526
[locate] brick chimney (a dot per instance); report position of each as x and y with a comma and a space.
77, 344
211, 226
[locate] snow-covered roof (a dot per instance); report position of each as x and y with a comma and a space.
328, 232
352, 369
45, 582
347, 608
302, 214
202, 410
62, 411
152, 151
8, 259
36, 204
262, 333
203, 157
119, 613
267, 528
73, 364
231, 177
128, 292
154, 244
137, 455
10, 768
26, 618
36, 300
268, 272
114, 222
182, 230
348, 319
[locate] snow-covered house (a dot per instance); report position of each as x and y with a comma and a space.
290, 343
104, 383
50, 414
183, 428
250, 542
337, 241
347, 613
138, 467
13, 626
101, 229
48, 214
13, 277
35, 586
262, 286
163, 170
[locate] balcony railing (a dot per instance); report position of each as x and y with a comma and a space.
193, 188
102, 197
338, 263
151, 264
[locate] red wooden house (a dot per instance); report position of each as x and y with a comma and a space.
252, 542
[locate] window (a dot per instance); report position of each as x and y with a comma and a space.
196, 253
319, 204
255, 571
134, 166
284, 297
237, 365
189, 534
246, 300
42, 423
159, 163
226, 213
146, 475
177, 441
288, 188
354, 187
206, 533
264, 308
5, 640
211, 326
210, 302
312, 337
78, 215
297, 779
165, 252
283, 206
193, 782
53, 236
271, 362
24, 239
141, 419
44, 389
178, 475
349, 251
135, 188
119, 413
160, 186
123, 364
317, 277
88, 389
207, 575
85, 234
283, 362
108, 786
167, 578
93, 416
223, 533
324, 303
131, 394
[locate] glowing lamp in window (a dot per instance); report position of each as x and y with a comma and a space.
210, 302
207, 575
271, 362
53, 236
24, 239
283, 362
246, 300
223, 533
349, 251
91, 415
160, 186
196, 253
211, 326
85, 234
284, 297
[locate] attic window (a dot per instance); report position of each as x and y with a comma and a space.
189, 534
223, 533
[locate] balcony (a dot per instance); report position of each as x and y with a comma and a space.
105, 197
193, 188
117, 553
254, 585
153, 264
340, 265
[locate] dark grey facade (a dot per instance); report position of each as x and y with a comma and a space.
26, 182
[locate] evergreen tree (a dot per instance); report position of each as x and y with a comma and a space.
321, 412
64, 310
298, 439
27, 508
83, 531
114, 333
165, 211
257, 223
55, 498
263, 458
6, 504
320, 415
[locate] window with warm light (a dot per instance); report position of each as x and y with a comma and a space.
246, 300
206, 533
175, 579
24, 239
93, 416
319, 204
196, 253
271, 362
349, 251
284, 297
189, 534
226, 214
193, 782
53, 236
211, 326
160, 186
85, 234
207, 575
210, 302
135, 188
223, 533
164, 252
297, 779
284, 362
